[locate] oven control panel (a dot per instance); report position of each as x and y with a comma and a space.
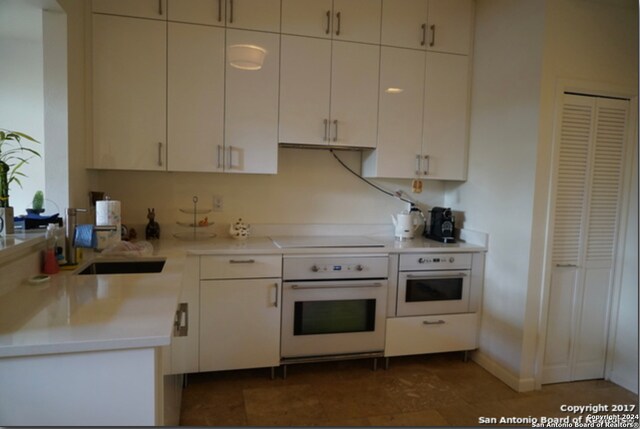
435, 261
341, 267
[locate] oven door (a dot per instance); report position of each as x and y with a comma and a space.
323, 318
423, 293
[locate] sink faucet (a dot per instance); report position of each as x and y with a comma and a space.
71, 224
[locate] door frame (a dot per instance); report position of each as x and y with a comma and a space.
588, 88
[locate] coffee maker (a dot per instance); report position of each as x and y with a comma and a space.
442, 225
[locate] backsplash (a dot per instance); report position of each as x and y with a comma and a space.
310, 188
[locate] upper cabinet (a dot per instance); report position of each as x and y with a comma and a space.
433, 25
260, 15
129, 93
450, 26
152, 9
348, 20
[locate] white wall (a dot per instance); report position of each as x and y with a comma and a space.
21, 87
498, 195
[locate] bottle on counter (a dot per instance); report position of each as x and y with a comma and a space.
50, 263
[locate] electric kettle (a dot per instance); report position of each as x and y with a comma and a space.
406, 223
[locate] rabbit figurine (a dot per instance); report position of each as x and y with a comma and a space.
153, 227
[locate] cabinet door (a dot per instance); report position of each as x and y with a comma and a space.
450, 26
400, 115
184, 348
251, 108
239, 324
305, 83
446, 116
307, 17
404, 23
354, 94
195, 97
129, 93
208, 12
261, 15
357, 20
153, 9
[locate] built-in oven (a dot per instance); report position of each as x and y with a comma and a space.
434, 284
333, 306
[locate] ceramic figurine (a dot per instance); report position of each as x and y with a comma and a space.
239, 230
153, 227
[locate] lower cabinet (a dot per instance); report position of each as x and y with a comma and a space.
431, 334
239, 323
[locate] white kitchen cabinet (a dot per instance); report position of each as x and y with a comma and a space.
260, 15
195, 96
221, 118
446, 117
151, 9
251, 106
185, 341
328, 92
400, 115
129, 93
348, 20
431, 334
240, 266
404, 23
450, 26
239, 324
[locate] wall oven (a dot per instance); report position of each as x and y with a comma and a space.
333, 306
431, 284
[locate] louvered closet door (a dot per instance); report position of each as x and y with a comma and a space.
587, 183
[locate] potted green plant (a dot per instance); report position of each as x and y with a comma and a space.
37, 204
14, 155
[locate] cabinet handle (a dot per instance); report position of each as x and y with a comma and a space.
328, 29
335, 126
181, 322
326, 132
229, 159
275, 302
418, 156
426, 170
242, 261
159, 7
219, 157
230, 11
160, 154
433, 35
424, 34
566, 266
338, 29
219, 10
437, 322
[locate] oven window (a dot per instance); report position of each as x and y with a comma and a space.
334, 317
434, 289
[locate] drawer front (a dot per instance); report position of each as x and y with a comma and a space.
240, 266
431, 334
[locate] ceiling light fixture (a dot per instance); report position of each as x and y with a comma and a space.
246, 57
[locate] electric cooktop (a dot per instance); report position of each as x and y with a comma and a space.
322, 241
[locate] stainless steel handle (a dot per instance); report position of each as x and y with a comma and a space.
181, 322
160, 154
328, 29
219, 10
275, 302
425, 171
418, 156
336, 286
338, 16
160, 7
229, 164
219, 157
242, 261
230, 11
424, 34
326, 131
432, 41
437, 322
335, 126
566, 266
436, 276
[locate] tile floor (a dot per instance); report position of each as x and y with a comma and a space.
430, 390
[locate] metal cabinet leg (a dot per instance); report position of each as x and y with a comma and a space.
386, 363
185, 381
465, 356
375, 364
284, 372
273, 372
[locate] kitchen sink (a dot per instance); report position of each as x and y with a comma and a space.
123, 267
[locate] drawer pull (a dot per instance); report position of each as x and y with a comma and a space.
242, 261
437, 322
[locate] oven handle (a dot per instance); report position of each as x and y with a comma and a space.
348, 286
435, 276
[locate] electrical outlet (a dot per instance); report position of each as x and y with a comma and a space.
218, 203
